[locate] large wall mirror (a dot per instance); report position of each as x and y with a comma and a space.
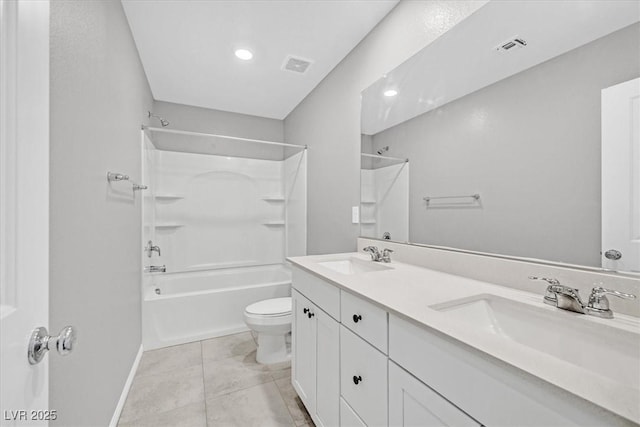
515, 133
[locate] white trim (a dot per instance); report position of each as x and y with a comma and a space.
125, 390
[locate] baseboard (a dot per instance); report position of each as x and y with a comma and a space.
154, 345
125, 390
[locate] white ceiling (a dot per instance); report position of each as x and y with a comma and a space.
187, 48
464, 59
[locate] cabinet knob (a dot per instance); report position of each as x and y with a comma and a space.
357, 318
310, 314
357, 379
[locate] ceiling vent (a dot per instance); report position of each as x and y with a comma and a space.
296, 64
511, 44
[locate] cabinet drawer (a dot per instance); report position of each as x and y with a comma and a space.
348, 418
363, 378
323, 294
365, 319
412, 403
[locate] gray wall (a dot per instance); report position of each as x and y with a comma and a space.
99, 98
197, 119
328, 119
530, 145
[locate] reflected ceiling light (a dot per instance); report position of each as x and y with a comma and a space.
390, 92
244, 54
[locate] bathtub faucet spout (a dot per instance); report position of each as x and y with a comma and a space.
155, 269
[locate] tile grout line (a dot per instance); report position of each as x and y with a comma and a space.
204, 390
293, 421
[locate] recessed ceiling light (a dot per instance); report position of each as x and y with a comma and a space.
244, 54
390, 92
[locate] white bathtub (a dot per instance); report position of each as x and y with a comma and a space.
185, 307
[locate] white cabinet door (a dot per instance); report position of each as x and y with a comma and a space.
327, 370
621, 176
303, 349
363, 378
411, 403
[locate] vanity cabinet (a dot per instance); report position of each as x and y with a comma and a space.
355, 364
315, 350
412, 403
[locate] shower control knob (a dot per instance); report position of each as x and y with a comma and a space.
310, 314
613, 254
357, 318
357, 379
305, 310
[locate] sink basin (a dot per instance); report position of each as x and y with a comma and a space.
609, 351
353, 266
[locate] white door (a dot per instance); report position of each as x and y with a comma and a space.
621, 176
24, 207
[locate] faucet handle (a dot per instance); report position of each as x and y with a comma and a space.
598, 298
599, 291
386, 255
599, 303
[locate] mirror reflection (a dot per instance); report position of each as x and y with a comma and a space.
525, 144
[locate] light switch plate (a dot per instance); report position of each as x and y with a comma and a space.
355, 215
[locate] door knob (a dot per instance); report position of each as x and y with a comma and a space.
613, 254
40, 342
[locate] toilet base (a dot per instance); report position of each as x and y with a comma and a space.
272, 349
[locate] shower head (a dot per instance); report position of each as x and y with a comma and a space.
163, 122
383, 150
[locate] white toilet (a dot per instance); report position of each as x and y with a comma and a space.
271, 319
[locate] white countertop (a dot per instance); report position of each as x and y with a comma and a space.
409, 291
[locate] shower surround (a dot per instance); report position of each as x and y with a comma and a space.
224, 217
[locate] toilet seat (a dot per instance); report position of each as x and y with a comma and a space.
271, 320
275, 307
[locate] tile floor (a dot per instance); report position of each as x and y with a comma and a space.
216, 382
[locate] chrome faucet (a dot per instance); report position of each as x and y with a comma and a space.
155, 269
151, 248
377, 256
568, 298
374, 252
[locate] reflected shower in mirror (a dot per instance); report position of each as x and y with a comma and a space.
506, 119
384, 195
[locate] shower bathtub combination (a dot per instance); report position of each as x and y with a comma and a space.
223, 215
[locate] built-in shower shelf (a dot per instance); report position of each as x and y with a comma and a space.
368, 202
367, 222
273, 223
273, 198
169, 196
169, 225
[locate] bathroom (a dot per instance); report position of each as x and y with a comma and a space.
297, 213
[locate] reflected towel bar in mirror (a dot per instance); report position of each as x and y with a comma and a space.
473, 196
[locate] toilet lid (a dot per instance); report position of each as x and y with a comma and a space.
271, 307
